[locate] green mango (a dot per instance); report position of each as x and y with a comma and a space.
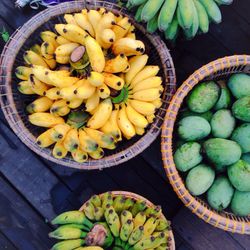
225, 99
221, 151
193, 128
222, 123
220, 193
185, 113
246, 157
200, 179
187, 156
241, 109
242, 136
239, 84
239, 175
203, 97
240, 204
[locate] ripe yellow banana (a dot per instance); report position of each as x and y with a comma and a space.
39, 105
37, 49
103, 91
23, 72
113, 81
103, 140
144, 108
59, 132
59, 151
71, 141
83, 22
146, 72
45, 140
51, 62
79, 156
71, 32
69, 18
135, 117
69, 93
149, 83
94, 18
147, 95
63, 59
107, 38
75, 103
117, 64
136, 63
124, 124
128, 46
46, 120
60, 108
150, 118
49, 36
157, 103
85, 90
87, 143
47, 50
53, 93
131, 32
122, 28
97, 154
61, 82
31, 57
96, 78
92, 102
25, 88
37, 86
95, 53
61, 40
101, 115
65, 49
139, 130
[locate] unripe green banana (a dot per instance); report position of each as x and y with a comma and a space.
150, 9
162, 224
96, 201
136, 235
89, 210
212, 9
138, 13
98, 213
153, 211
149, 226
171, 32
167, 14
68, 244
186, 12
138, 207
67, 233
113, 220
133, 3
179, 17
119, 203
126, 215
152, 24
202, 15
128, 204
107, 199
225, 2
146, 243
140, 219
126, 230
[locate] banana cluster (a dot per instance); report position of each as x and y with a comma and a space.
109, 222
93, 84
169, 16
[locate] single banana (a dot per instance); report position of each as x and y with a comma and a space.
137, 119
37, 49
136, 235
117, 64
157, 103
152, 24
153, 211
150, 118
148, 242
68, 93
121, 28
61, 40
103, 140
42, 74
94, 18
49, 36
69, 18
103, 91
61, 82
23, 72
59, 108
83, 22
37, 86
53, 93
203, 16
118, 203
137, 63
151, 82
39, 105
129, 202
87, 143
95, 53
31, 57
171, 32
133, 3
107, 199
212, 10
59, 132
52, 63
71, 32
65, 49
98, 154
101, 115
45, 140
138, 16
126, 230
98, 213
96, 200
59, 151
128, 46
75, 103
162, 224
25, 88
89, 210
149, 226
131, 32
138, 207
140, 219
71, 141
150, 9
67, 233
68, 244
47, 50
147, 95
63, 59
124, 124
113, 220
107, 38
96, 78
92, 102
85, 91
113, 81
79, 156
186, 12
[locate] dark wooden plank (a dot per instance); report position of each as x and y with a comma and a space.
5, 243
242, 240
201, 235
19, 222
241, 8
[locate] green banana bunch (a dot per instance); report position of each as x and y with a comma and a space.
169, 16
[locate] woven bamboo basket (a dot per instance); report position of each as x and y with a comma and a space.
136, 197
13, 103
219, 69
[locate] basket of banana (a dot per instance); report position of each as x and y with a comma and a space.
114, 220
83, 85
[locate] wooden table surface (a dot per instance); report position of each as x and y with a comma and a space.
33, 190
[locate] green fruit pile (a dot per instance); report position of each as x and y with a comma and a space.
112, 222
169, 16
213, 146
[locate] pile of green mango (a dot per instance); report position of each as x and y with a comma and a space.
213, 146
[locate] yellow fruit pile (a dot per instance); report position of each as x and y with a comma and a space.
93, 83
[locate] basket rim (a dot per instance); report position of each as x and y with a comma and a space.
223, 220
16, 122
138, 197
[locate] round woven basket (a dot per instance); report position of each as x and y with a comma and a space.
13, 103
219, 69
136, 197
